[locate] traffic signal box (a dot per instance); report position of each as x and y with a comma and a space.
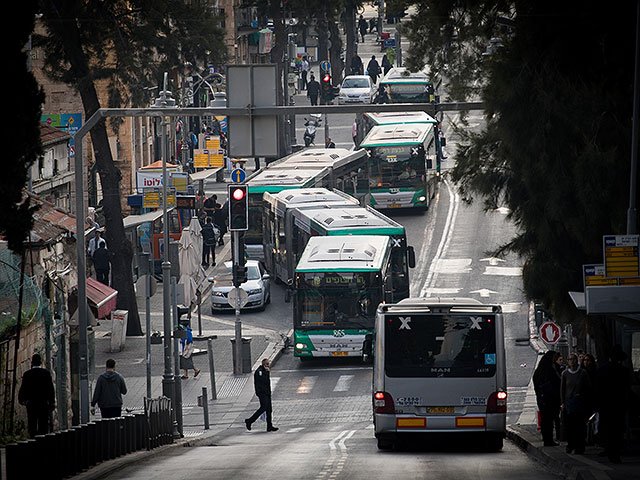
327, 92
238, 207
239, 275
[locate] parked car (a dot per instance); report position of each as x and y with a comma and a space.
356, 89
257, 287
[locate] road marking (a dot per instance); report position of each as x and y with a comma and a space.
343, 383
452, 265
505, 271
444, 241
295, 430
484, 292
274, 382
306, 384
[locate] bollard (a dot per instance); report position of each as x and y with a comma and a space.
120, 437
110, 450
75, 449
212, 370
91, 443
205, 408
101, 435
141, 428
83, 451
14, 467
64, 442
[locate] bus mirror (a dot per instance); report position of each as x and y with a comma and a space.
367, 347
412, 257
443, 142
429, 164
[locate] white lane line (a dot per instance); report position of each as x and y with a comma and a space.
274, 382
343, 383
444, 241
306, 384
332, 443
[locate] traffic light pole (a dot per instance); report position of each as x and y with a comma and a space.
237, 365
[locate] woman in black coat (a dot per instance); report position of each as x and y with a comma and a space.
546, 382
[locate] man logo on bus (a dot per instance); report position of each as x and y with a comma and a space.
476, 323
405, 323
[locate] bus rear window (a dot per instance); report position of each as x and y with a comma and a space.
452, 346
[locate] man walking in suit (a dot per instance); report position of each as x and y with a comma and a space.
262, 383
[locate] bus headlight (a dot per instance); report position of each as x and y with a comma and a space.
422, 198
300, 346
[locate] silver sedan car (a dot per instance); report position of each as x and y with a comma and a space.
257, 287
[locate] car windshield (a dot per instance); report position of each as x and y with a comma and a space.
253, 273
355, 83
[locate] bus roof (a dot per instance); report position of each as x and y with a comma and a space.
317, 158
390, 118
278, 180
360, 253
398, 134
439, 305
307, 197
340, 221
402, 75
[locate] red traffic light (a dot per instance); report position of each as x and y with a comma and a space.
326, 78
238, 193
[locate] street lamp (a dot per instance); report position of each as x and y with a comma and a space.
168, 379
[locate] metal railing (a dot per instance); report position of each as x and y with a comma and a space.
67, 452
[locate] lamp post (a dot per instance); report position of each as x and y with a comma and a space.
168, 379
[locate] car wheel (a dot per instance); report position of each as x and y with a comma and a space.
268, 299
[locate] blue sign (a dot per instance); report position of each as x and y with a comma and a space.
238, 175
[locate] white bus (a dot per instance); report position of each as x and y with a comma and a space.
439, 367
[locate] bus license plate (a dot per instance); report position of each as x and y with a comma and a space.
339, 354
449, 410
394, 205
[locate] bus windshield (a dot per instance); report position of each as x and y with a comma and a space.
337, 299
409, 92
450, 346
397, 166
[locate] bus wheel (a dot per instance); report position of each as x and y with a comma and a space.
494, 442
385, 443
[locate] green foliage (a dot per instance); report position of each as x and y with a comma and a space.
556, 146
128, 43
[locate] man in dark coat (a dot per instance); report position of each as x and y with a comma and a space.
357, 67
37, 394
102, 263
110, 387
262, 384
546, 382
386, 64
220, 216
313, 90
362, 26
208, 243
373, 69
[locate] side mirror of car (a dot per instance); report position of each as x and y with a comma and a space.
266, 276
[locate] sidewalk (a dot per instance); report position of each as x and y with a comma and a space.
589, 466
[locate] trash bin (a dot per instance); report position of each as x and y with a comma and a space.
118, 329
246, 354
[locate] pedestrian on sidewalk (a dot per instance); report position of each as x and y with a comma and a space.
354, 133
102, 263
220, 216
386, 64
313, 90
546, 382
357, 67
186, 355
575, 397
373, 69
373, 24
362, 26
37, 394
208, 244
110, 387
614, 388
209, 205
262, 384
304, 69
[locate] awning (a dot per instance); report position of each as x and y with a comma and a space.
131, 221
204, 174
101, 298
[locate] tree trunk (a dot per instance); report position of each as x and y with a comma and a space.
119, 246
337, 67
277, 57
350, 28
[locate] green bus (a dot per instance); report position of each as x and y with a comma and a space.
367, 120
403, 164
339, 283
403, 86
292, 229
338, 168
282, 247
